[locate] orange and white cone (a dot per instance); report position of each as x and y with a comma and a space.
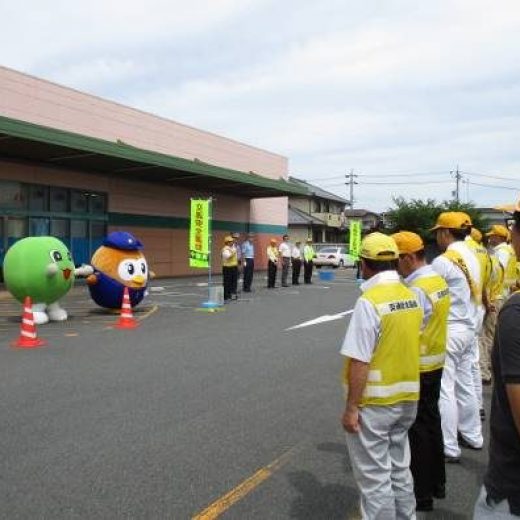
126, 318
28, 337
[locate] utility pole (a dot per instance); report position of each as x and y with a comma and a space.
351, 183
458, 177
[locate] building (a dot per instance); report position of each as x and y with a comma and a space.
370, 221
76, 167
319, 214
492, 216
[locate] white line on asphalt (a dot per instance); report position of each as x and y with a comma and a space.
322, 319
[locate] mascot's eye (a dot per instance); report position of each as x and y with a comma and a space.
130, 268
143, 267
56, 255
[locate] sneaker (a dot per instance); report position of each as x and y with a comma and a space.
465, 444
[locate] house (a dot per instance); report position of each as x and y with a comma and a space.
370, 221
318, 215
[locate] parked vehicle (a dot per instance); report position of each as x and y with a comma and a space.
333, 256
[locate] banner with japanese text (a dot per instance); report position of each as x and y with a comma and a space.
355, 238
200, 233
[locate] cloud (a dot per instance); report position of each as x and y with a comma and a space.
399, 86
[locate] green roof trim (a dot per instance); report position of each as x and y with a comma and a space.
120, 150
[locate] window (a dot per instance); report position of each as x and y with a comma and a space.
317, 207
59, 200
78, 202
39, 227
60, 228
12, 195
38, 197
97, 203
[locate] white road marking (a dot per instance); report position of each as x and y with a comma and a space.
322, 319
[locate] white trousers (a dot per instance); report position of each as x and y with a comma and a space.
475, 367
458, 401
491, 511
380, 459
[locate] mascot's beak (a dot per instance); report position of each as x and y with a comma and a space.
138, 279
66, 273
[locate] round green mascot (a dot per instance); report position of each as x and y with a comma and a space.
42, 268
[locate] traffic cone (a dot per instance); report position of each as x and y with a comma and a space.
126, 318
28, 337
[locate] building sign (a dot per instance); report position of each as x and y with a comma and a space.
355, 238
199, 233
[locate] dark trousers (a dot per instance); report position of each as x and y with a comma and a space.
271, 274
426, 443
229, 275
286, 262
234, 281
307, 271
248, 273
296, 267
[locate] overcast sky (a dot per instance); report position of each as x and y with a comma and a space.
394, 89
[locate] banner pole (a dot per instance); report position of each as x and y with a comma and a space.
210, 244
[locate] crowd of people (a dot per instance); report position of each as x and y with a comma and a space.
238, 256
421, 342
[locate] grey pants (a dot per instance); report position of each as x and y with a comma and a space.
485, 511
380, 459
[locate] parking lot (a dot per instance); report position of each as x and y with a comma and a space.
233, 414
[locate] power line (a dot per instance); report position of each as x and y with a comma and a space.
493, 186
489, 176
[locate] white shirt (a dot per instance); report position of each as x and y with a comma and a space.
365, 324
227, 253
503, 254
296, 253
460, 315
423, 272
285, 250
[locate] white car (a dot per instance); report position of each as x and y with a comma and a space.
333, 256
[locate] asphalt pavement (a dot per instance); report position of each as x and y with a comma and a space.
232, 414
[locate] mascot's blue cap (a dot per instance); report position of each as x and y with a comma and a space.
123, 240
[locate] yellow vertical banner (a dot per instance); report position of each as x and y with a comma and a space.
200, 233
355, 238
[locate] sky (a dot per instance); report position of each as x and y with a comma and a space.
399, 91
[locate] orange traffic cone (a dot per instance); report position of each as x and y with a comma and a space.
126, 318
28, 337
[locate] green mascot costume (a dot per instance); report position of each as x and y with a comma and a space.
42, 268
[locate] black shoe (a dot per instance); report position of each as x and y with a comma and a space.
285, 285
486, 382
439, 491
482, 413
246, 290
451, 460
424, 504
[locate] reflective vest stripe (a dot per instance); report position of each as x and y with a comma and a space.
425, 361
391, 390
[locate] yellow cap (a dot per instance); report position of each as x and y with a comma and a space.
408, 242
309, 239
377, 246
497, 230
228, 239
476, 235
452, 220
273, 240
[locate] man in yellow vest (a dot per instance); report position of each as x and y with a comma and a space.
229, 268
381, 379
458, 401
425, 435
497, 239
474, 241
308, 261
272, 263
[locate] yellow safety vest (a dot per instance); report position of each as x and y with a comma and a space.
394, 368
496, 281
432, 342
484, 261
510, 269
232, 261
474, 285
308, 253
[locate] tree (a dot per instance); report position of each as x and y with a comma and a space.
420, 216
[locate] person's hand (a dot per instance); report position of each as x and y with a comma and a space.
350, 419
491, 308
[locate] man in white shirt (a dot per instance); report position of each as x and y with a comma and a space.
458, 402
497, 240
296, 260
285, 253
